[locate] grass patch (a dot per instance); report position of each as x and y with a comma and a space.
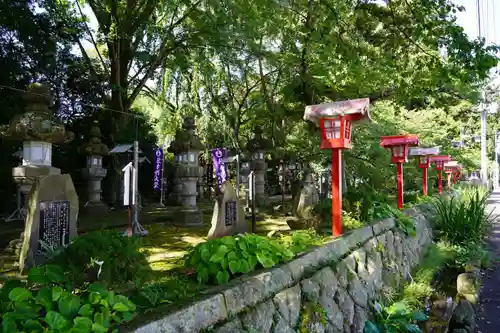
437, 257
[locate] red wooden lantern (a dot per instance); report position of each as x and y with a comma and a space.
335, 121
423, 155
399, 147
439, 161
336, 132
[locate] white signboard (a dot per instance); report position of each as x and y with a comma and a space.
129, 170
423, 151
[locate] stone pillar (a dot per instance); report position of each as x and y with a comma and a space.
94, 172
38, 131
257, 147
176, 186
189, 172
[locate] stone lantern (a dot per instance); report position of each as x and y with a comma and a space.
95, 149
189, 171
257, 147
38, 131
176, 184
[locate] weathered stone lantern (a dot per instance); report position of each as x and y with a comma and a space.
95, 149
189, 172
176, 184
257, 147
38, 131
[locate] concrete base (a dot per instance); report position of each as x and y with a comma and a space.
190, 217
96, 208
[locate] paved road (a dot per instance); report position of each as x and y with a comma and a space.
489, 317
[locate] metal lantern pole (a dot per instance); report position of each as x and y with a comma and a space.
336, 192
424, 181
399, 178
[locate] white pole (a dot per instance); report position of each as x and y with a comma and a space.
138, 229
238, 175
495, 164
484, 157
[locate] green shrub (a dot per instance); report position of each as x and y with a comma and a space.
397, 318
403, 222
217, 260
301, 240
463, 220
45, 304
106, 256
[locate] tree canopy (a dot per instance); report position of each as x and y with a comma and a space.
236, 65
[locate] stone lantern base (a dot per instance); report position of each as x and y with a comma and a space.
190, 217
94, 175
26, 175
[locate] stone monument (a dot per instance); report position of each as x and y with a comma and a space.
228, 217
95, 149
303, 205
188, 172
51, 220
38, 130
257, 147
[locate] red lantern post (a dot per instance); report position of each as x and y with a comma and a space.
439, 161
423, 155
456, 173
335, 121
449, 169
399, 147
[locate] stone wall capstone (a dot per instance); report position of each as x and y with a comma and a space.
335, 283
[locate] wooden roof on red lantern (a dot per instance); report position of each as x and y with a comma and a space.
399, 140
440, 158
358, 109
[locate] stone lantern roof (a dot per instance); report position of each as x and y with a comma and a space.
37, 123
95, 146
187, 139
258, 143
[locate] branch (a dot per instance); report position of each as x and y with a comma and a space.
162, 53
92, 37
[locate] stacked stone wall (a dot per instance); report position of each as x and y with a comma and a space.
326, 290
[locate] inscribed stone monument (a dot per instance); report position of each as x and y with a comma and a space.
51, 220
228, 217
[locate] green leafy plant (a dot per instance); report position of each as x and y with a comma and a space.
43, 305
471, 253
104, 256
301, 240
403, 222
461, 220
216, 261
397, 318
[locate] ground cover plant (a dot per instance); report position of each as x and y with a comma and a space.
105, 256
217, 261
47, 303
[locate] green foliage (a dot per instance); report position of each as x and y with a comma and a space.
45, 304
218, 260
397, 318
301, 240
106, 256
403, 222
474, 253
462, 220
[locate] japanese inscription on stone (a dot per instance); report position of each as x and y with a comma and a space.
230, 212
54, 223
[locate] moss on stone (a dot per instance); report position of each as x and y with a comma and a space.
311, 312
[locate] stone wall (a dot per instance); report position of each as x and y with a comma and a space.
326, 290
